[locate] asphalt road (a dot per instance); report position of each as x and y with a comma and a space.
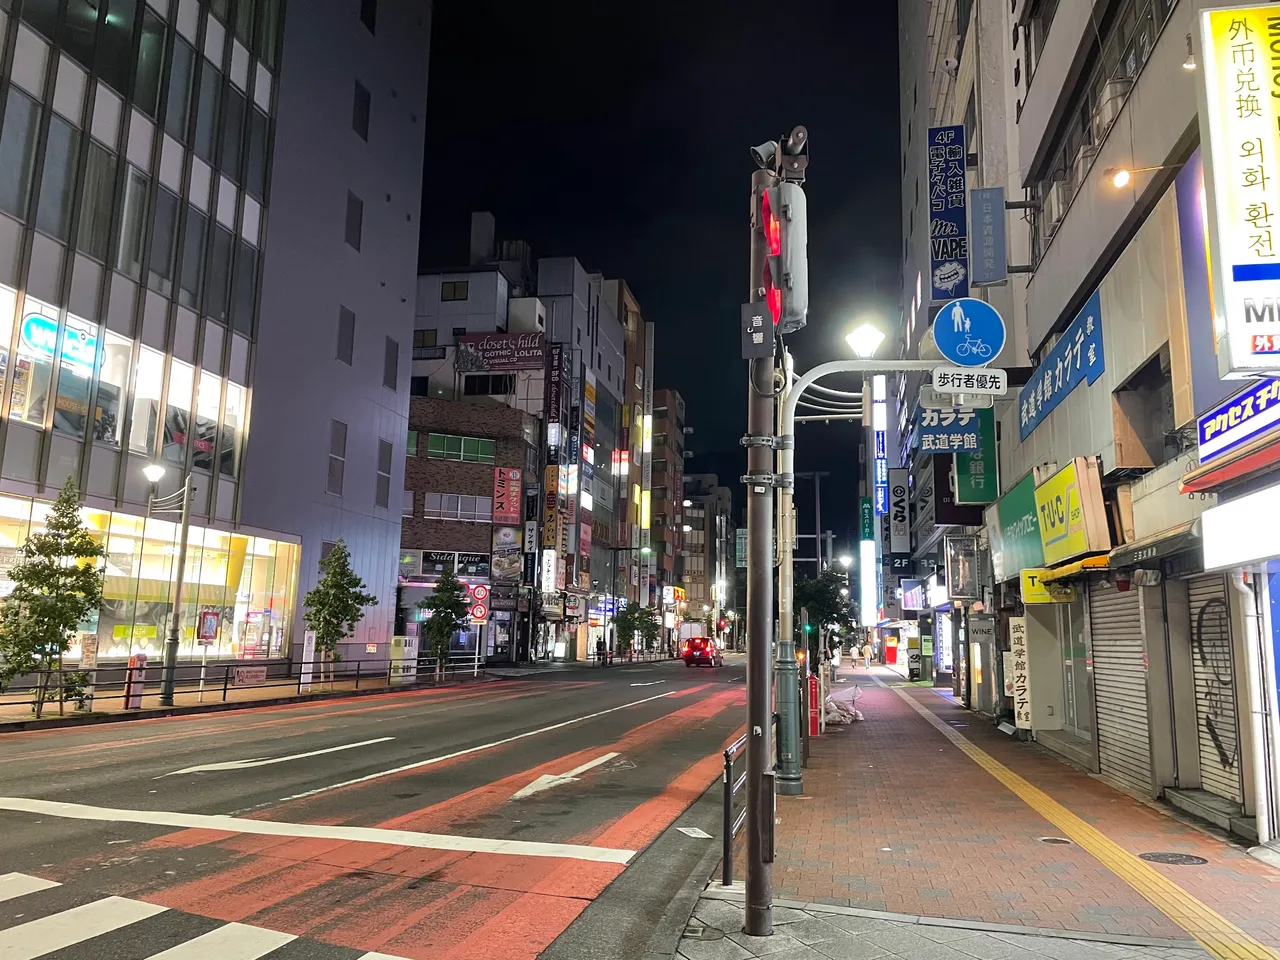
469, 822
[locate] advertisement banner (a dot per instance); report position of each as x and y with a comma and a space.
1075, 359
1035, 590
990, 260
506, 495
948, 216
948, 431
308, 661
507, 561
555, 391
1071, 511
899, 512
978, 473
1246, 416
867, 517
550, 515
1021, 679
961, 555
1013, 531
499, 351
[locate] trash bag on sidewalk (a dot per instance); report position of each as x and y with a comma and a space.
839, 706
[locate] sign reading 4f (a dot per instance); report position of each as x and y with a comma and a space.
948, 214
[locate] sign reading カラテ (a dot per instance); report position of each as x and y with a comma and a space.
1021, 679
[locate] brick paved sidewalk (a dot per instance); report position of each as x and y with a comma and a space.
896, 818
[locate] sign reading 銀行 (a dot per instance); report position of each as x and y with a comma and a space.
948, 214
990, 258
1240, 110
969, 332
1233, 423
948, 431
1075, 359
977, 471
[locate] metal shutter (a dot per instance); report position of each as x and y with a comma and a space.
1217, 726
1120, 687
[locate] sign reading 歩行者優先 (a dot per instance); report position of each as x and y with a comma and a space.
1244, 417
1071, 511
948, 213
1020, 681
959, 380
990, 257
1075, 359
499, 351
978, 471
1239, 117
1013, 531
948, 431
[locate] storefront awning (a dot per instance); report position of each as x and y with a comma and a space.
1252, 458
1075, 568
1179, 539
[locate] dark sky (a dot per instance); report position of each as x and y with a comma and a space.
619, 133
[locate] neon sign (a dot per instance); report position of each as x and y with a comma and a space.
39, 338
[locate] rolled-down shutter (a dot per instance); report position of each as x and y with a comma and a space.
1120, 687
1217, 726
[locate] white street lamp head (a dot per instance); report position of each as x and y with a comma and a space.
845, 560
687, 503
153, 472
687, 528
865, 340
844, 591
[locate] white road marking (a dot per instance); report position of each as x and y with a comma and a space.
648, 683
378, 956
462, 753
260, 762
38, 937
235, 941
274, 828
696, 832
547, 781
19, 885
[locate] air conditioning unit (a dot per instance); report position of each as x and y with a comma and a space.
1054, 208
1083, 161
1110, 99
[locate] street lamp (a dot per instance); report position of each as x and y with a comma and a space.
687, 503
846, 561
865, 340
179, 503
844, 591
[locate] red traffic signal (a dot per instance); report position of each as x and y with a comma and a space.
784, 219
722, 623
773, 238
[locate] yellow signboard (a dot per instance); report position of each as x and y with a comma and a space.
1071, 512
1034, 591
1239, 116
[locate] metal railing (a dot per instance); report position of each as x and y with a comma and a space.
733, 818
82, 689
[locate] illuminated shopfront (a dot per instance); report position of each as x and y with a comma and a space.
250, 582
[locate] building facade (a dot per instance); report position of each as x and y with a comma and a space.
709, 546
667, 517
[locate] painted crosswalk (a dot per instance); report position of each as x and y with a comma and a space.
78, 928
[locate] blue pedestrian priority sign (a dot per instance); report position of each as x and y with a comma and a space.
969, 332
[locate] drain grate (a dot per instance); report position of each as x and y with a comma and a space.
1174, 859
697, 931
1057, 840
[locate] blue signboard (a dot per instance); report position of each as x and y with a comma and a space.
38, 336
990, 256
1075, 359
1233, 423
948, 431
948, 216
969, 332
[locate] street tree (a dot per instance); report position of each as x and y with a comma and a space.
636, 624
335, 605
447, 610
57, 584
821, 599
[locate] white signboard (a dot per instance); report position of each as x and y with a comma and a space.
1021, 676
930, 399
248, 676
308, 658
991, 382
899, 511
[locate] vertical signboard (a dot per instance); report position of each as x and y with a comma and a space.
880, 427
977, 473
990, 257
1076, 358
948, 216
899, 520
506, 495
1021, 678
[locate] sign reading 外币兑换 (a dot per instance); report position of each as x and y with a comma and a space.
1240, 110
948, 214
948, 431
1075, 359
1234, 422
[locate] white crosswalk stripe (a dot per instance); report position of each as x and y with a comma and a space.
235, 941
19, 885
38, 937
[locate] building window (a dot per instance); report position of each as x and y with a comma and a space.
452, 506
164, 242
337, 456
193, 249
391, 365
204, 444
459, 331
232, 430
232, 132
58, 182
659, 493
97, 194
243, 287
207, 111
454, 290
113, 378
488, 385
177, 414
355, 220
411, 445
346, 335
326, 548
469, 449
146, 84
255, 177
382, 491
369, 14
147, 382
177, 110
115, 46
132, 220
360, 111
407, 509
218, 276
423, 338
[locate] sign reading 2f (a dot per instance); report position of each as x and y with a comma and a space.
948, 214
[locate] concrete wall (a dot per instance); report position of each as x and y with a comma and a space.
484, 310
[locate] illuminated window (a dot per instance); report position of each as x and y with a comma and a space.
177, 415
37, 335
79, 356
471, 449
205, 441
147, 382
113, 378
232, 430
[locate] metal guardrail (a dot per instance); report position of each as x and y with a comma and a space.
733, 819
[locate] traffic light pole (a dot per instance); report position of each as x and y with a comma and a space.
759, 443
790, 778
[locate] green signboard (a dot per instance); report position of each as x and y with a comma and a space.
1013, 527
978, 474
868, 514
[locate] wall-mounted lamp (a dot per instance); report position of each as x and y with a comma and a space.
1190, 62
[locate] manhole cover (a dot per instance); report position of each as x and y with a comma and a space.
696, 931
1174, 859
1058, 840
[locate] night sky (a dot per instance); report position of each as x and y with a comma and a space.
619, 133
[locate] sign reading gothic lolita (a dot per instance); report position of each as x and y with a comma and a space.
1240, 110
500, 351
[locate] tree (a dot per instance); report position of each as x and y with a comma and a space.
636, 621
57, 585
821, 598
448, 612
335, 605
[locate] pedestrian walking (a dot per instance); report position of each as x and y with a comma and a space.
866, 654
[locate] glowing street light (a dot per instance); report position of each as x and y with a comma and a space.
865, 340
846, 561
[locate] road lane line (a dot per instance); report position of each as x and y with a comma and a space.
462, 753
1218, 935
61, 930
547, 781
274, 828
648, 683
20, 884
234, 941
259, 762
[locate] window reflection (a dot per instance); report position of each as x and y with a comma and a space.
8, 306
37, 337
112, 382
75, 375
232, 430
146, 400
177, 413
208, 398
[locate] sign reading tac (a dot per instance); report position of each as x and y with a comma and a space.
948, 213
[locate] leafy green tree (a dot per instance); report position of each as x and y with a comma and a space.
821, 598
636, 623
57, 585
335, 605
448, 609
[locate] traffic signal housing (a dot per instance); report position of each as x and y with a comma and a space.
784, 217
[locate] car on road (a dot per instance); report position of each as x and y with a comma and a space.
701, 650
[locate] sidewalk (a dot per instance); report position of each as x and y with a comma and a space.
925, 810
